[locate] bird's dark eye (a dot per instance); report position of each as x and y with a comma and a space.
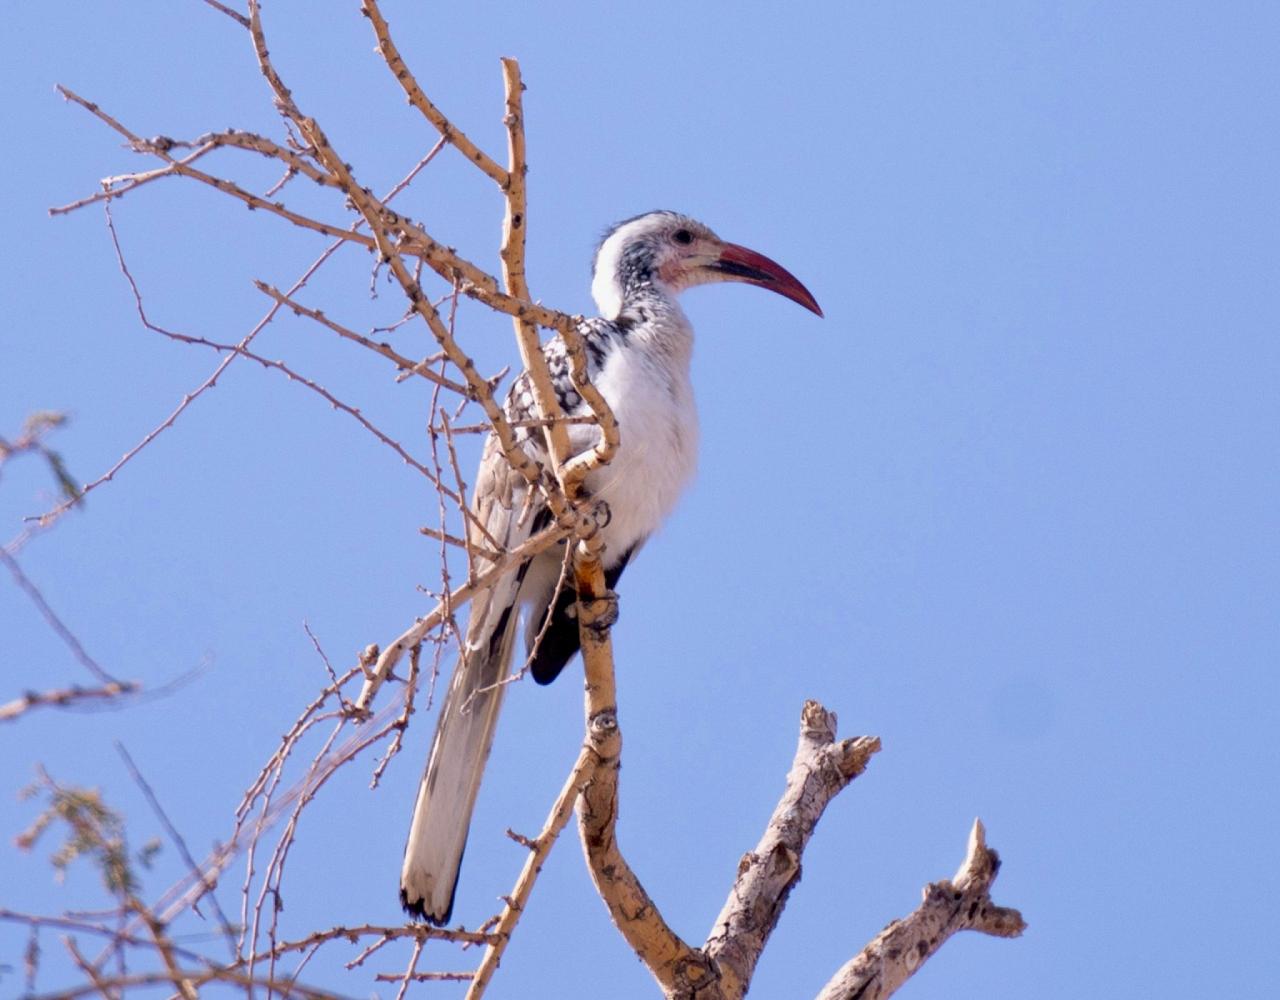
683, 237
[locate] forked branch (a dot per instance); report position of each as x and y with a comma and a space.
722, 968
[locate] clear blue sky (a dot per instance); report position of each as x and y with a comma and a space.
1012, 506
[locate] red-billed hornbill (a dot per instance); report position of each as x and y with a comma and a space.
638, 357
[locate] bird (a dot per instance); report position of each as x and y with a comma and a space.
638, 354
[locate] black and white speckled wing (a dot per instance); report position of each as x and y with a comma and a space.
599, 337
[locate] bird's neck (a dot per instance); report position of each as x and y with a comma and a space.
627, 279
652, 321
643, 308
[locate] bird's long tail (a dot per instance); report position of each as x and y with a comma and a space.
464, 734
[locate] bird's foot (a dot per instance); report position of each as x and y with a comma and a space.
601, 613
591, 519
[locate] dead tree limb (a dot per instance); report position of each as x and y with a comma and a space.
960, 904
822, 768
64, 697
722, 968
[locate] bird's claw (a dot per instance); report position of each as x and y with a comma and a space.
601, 613
591, 520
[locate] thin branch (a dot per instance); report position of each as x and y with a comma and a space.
539, 849
413, 635
386, 350
43, 521
462, 543
91, 972
424, 977
415, 932
149, 794
409, 237
410, 972
118, 187
574, 475
161, 146
324, 657
64, 697
233, 14
514, 226
61, 630
85, 926
402, 723
419, 100
186, 989
112, 986
243, 350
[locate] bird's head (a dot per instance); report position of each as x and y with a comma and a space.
674, 252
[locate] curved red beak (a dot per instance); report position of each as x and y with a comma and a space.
740, 264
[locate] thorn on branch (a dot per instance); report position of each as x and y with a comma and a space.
522, 840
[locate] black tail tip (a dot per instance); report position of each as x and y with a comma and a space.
417, 910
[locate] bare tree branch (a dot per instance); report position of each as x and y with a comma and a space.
224, 925
963, 903
47, 519
539, 848
419, 100
235, 15
413, 635
386, 350
821, 770
512, 253
112, 686
64, 697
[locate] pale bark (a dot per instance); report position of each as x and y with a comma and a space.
898, 951
821, 769
722, 968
